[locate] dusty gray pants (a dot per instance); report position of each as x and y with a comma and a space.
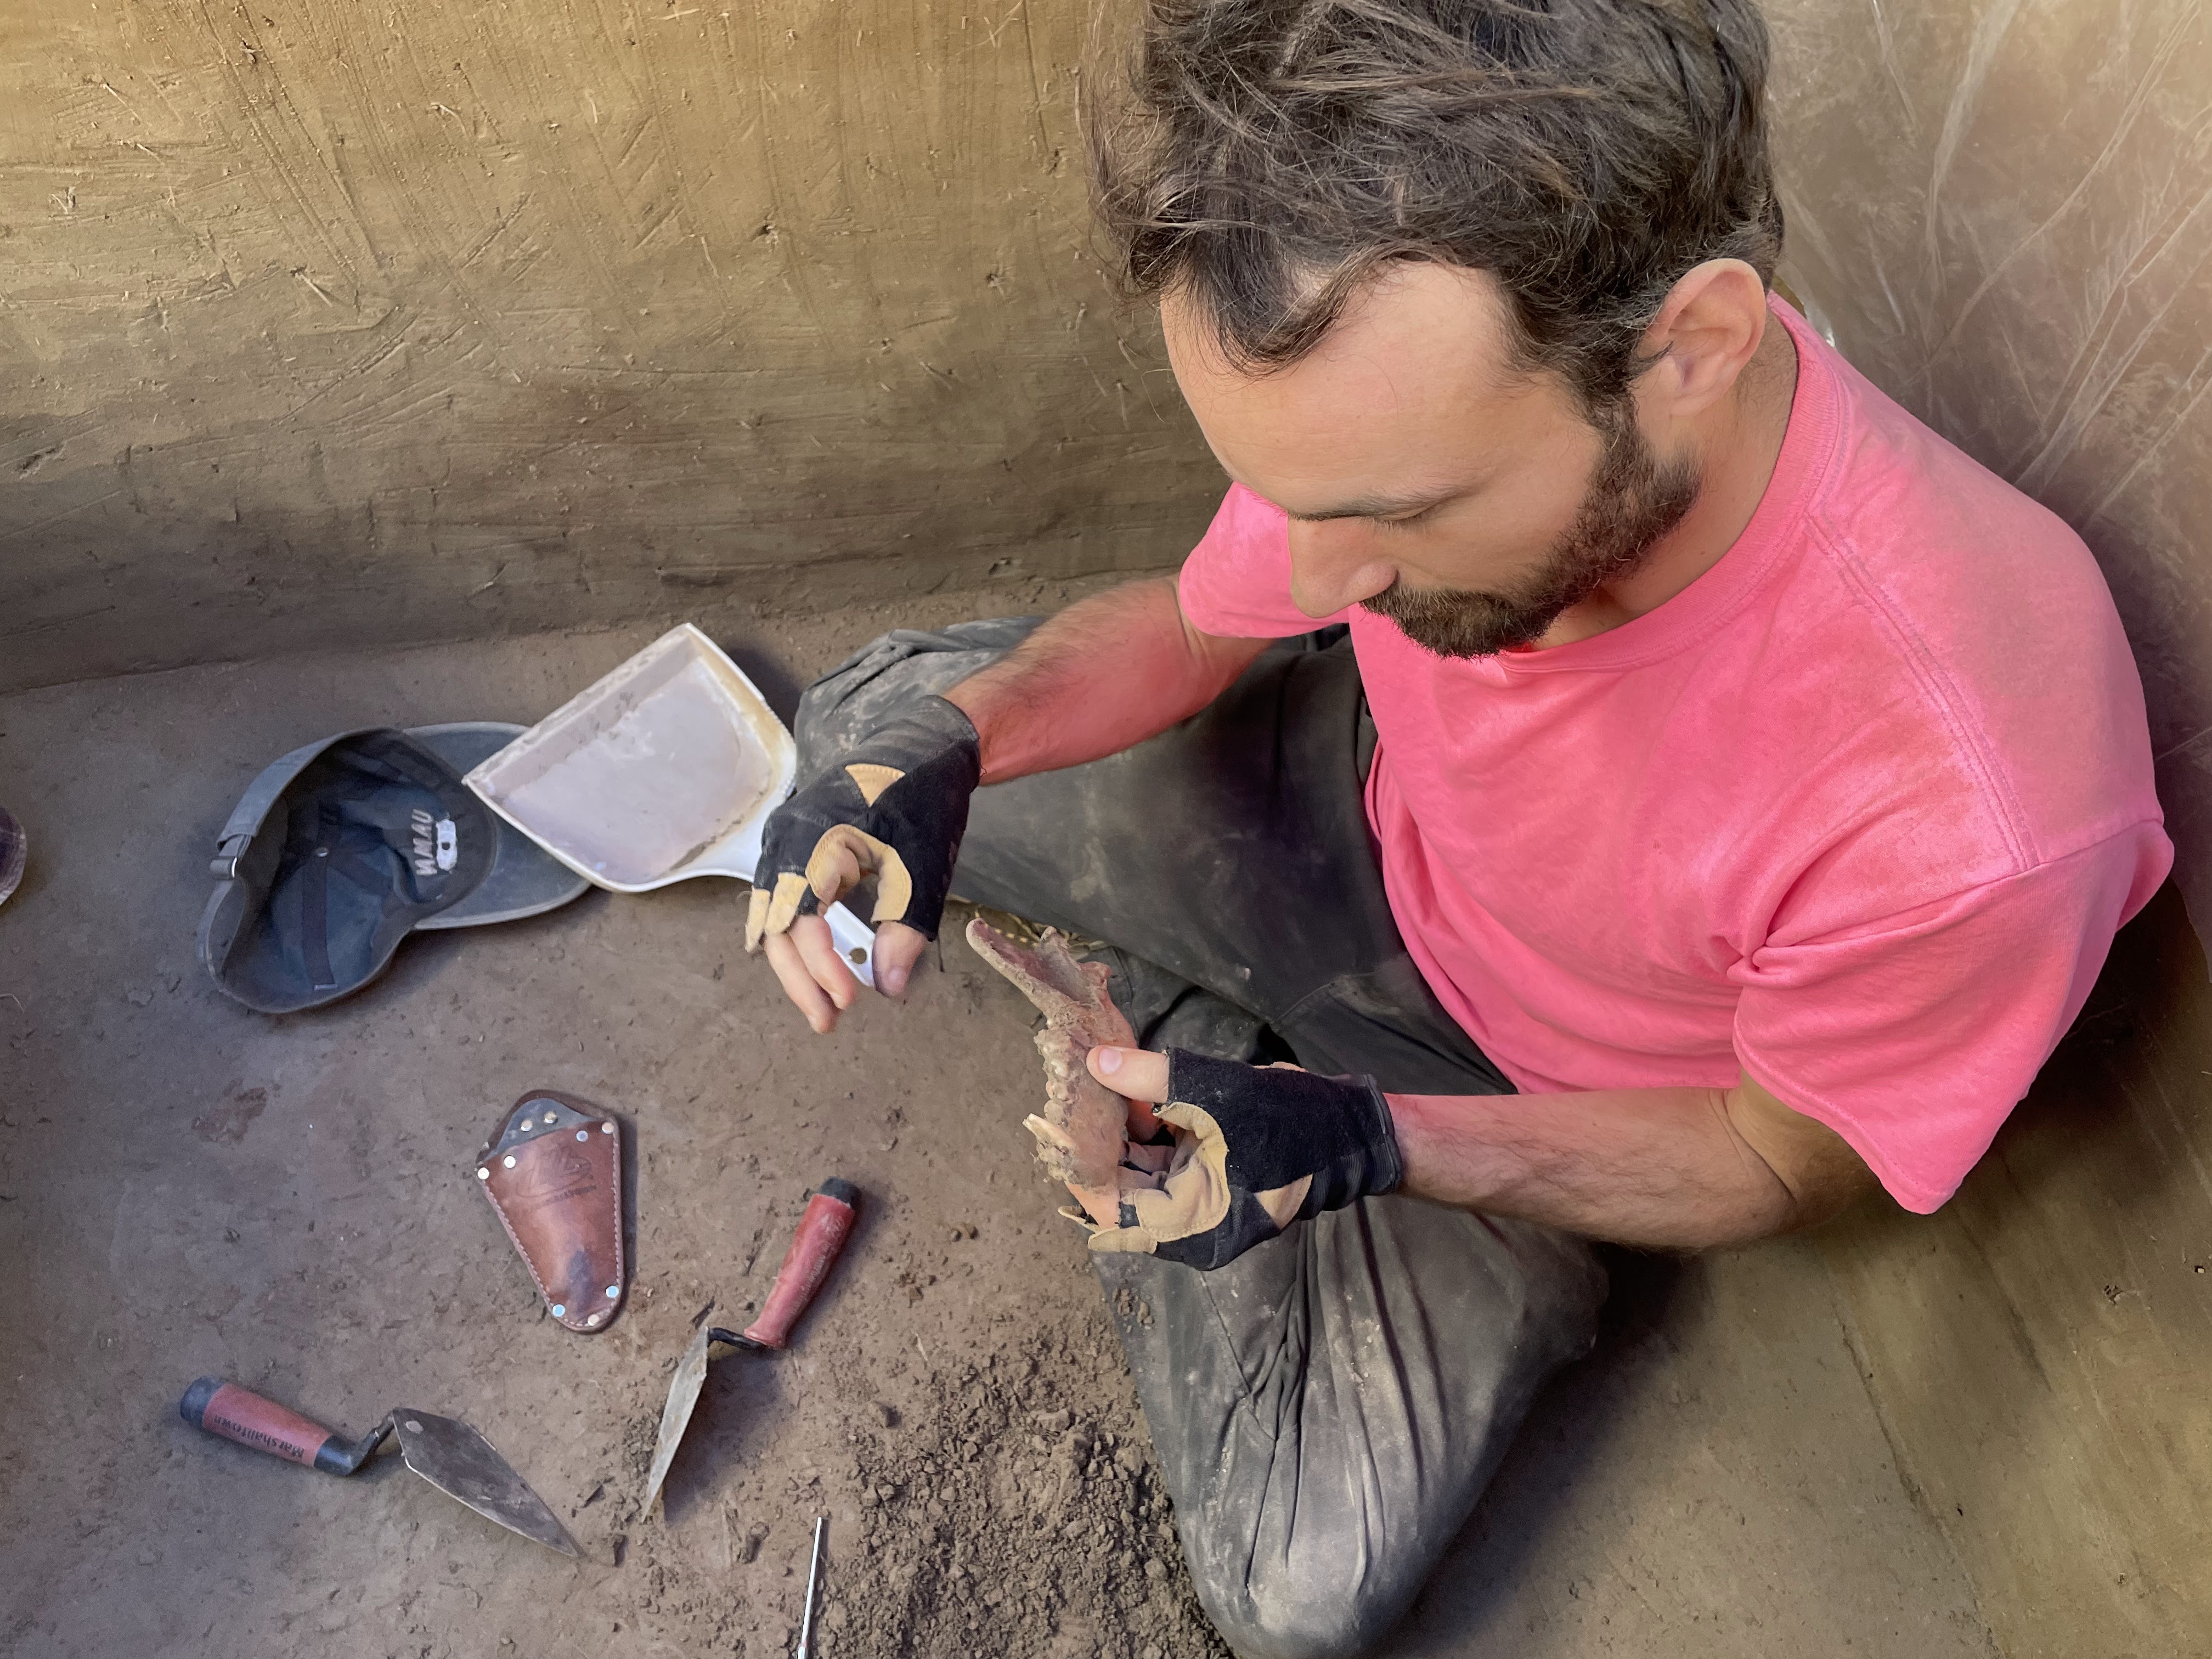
1327, 1408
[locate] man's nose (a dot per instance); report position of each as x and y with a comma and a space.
1334, 563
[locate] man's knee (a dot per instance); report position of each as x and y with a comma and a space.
1299, 1614
854, 698
1320, 1583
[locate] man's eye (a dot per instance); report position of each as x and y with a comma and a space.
1406, 520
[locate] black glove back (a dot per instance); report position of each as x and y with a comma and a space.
897, 809
1256, 1148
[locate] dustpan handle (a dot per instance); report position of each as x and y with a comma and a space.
855, 941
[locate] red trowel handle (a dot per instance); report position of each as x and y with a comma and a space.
821, 1233
240, 1414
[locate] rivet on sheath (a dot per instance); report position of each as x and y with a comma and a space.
613, 1291
581, 1135
607, 1128
508, 1160
525, 1124
559, 1312
591, 1319
412, 1427
483, 1175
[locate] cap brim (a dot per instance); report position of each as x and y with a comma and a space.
524, 879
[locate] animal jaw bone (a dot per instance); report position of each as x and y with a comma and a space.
1082, 1134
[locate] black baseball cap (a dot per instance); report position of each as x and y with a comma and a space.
342, 847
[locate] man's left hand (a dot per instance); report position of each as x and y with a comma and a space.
1255, 1149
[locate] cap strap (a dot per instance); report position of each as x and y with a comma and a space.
315, 899
392, 757
315, 915
364, 876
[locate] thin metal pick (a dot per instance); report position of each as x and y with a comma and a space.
813, 1583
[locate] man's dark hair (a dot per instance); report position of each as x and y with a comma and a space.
1267, 157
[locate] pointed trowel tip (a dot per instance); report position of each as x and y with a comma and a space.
658, 1479
14, 847
675, 1416
461, 1463
549, 1531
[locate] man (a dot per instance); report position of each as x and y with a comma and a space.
1694, 793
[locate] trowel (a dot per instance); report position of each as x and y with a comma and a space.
15, 845
446, 1452
822, 1229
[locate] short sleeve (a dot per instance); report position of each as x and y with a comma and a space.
1236, 581
1914, 1037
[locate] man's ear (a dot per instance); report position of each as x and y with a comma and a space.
1705, 333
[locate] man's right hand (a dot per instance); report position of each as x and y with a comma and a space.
894, 810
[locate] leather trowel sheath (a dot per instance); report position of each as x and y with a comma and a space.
822, 1230
552, 1169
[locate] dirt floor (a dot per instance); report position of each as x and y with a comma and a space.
188, 1187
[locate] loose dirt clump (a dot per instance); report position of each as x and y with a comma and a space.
1000, 1501
999, 1519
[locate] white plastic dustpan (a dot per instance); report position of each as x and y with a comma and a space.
664, 770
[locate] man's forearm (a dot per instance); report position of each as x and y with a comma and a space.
1677, 1169
1104, 674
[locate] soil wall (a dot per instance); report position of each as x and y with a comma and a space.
2003, 210
358, 324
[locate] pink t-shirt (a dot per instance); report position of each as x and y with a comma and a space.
1858, 812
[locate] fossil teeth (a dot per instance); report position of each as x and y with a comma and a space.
1088, 1122
1055, 1150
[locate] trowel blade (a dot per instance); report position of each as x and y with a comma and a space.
460, 1462
675, 1416
15, 845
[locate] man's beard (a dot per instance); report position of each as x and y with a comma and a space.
1634, 499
